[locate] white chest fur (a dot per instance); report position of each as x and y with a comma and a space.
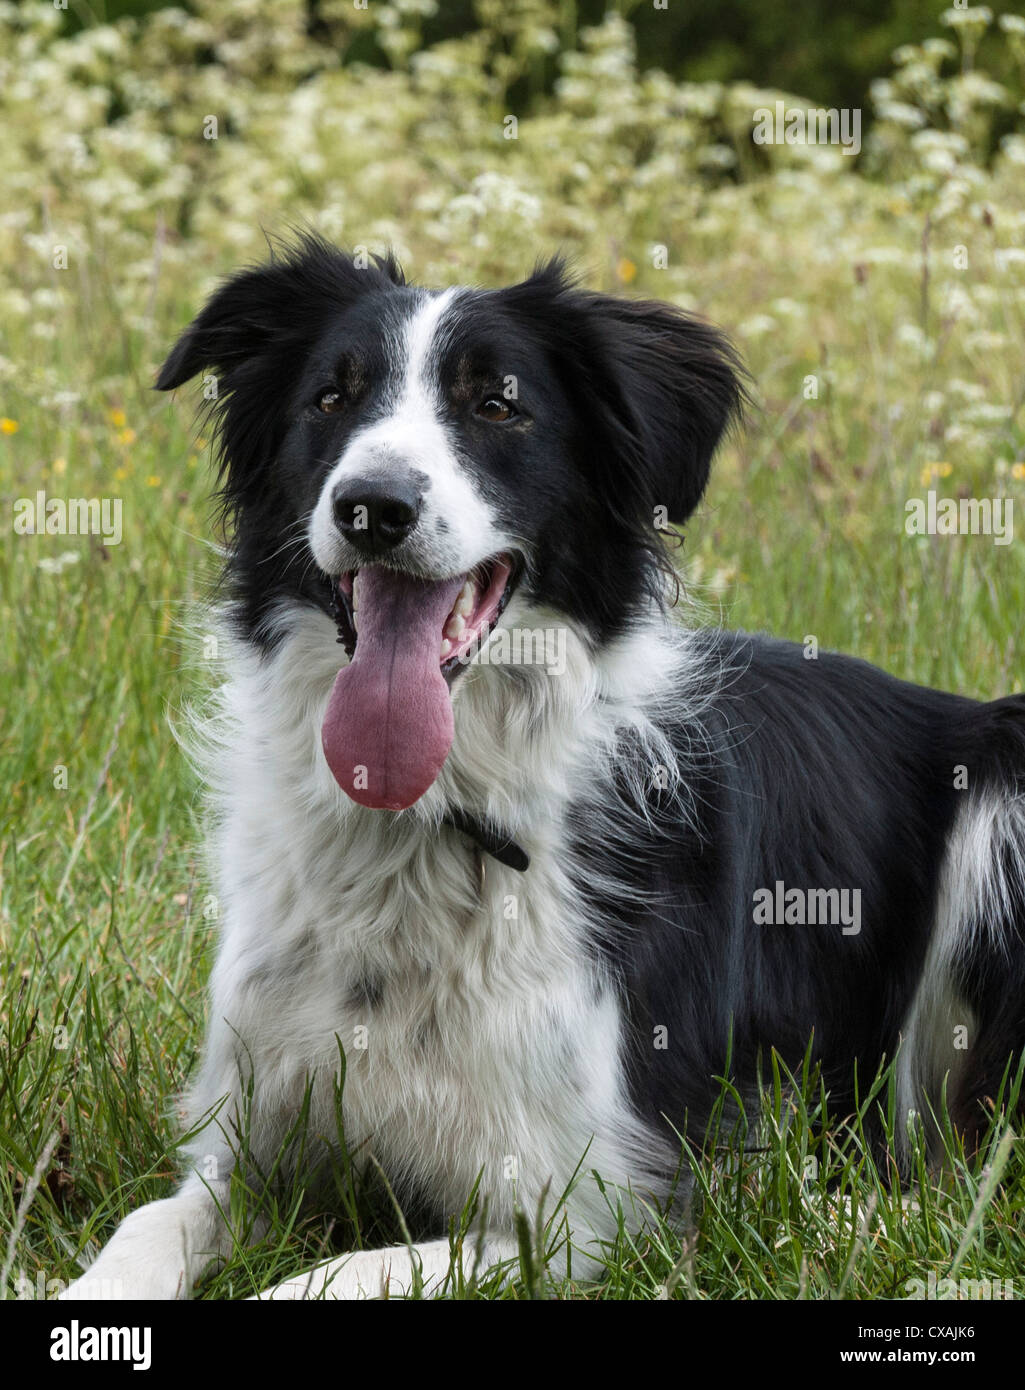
480, 1031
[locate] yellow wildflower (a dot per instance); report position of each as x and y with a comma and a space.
935, 470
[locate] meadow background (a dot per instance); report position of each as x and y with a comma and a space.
879, 302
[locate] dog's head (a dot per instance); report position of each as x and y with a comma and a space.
410, 460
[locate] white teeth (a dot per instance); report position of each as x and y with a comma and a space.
355, 590
455, 624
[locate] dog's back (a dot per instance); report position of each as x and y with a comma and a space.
848, 872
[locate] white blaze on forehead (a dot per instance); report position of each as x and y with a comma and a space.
411, 431
413, 436
423, 341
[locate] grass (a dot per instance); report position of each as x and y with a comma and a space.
105, 941
785, 1202
883, 368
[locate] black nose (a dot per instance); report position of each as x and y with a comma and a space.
374, 514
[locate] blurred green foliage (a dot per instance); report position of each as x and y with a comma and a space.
813, 48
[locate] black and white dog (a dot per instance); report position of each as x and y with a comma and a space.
535, 856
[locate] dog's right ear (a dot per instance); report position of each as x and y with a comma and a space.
281, 305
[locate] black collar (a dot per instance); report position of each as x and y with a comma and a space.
501, 847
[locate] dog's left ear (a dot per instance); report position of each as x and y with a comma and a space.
674, 384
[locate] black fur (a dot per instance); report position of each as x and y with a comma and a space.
823, 772
633, 398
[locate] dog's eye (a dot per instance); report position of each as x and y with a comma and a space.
496, 410
329, 402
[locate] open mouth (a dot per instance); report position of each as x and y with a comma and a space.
485, 591
389, 726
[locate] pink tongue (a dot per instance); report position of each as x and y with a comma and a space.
388, 726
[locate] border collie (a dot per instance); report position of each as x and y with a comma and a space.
534, 856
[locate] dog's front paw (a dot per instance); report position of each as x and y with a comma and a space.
291, 1291
363, 1274
119, 1280
124, 1275
398, 1272
144, 1259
